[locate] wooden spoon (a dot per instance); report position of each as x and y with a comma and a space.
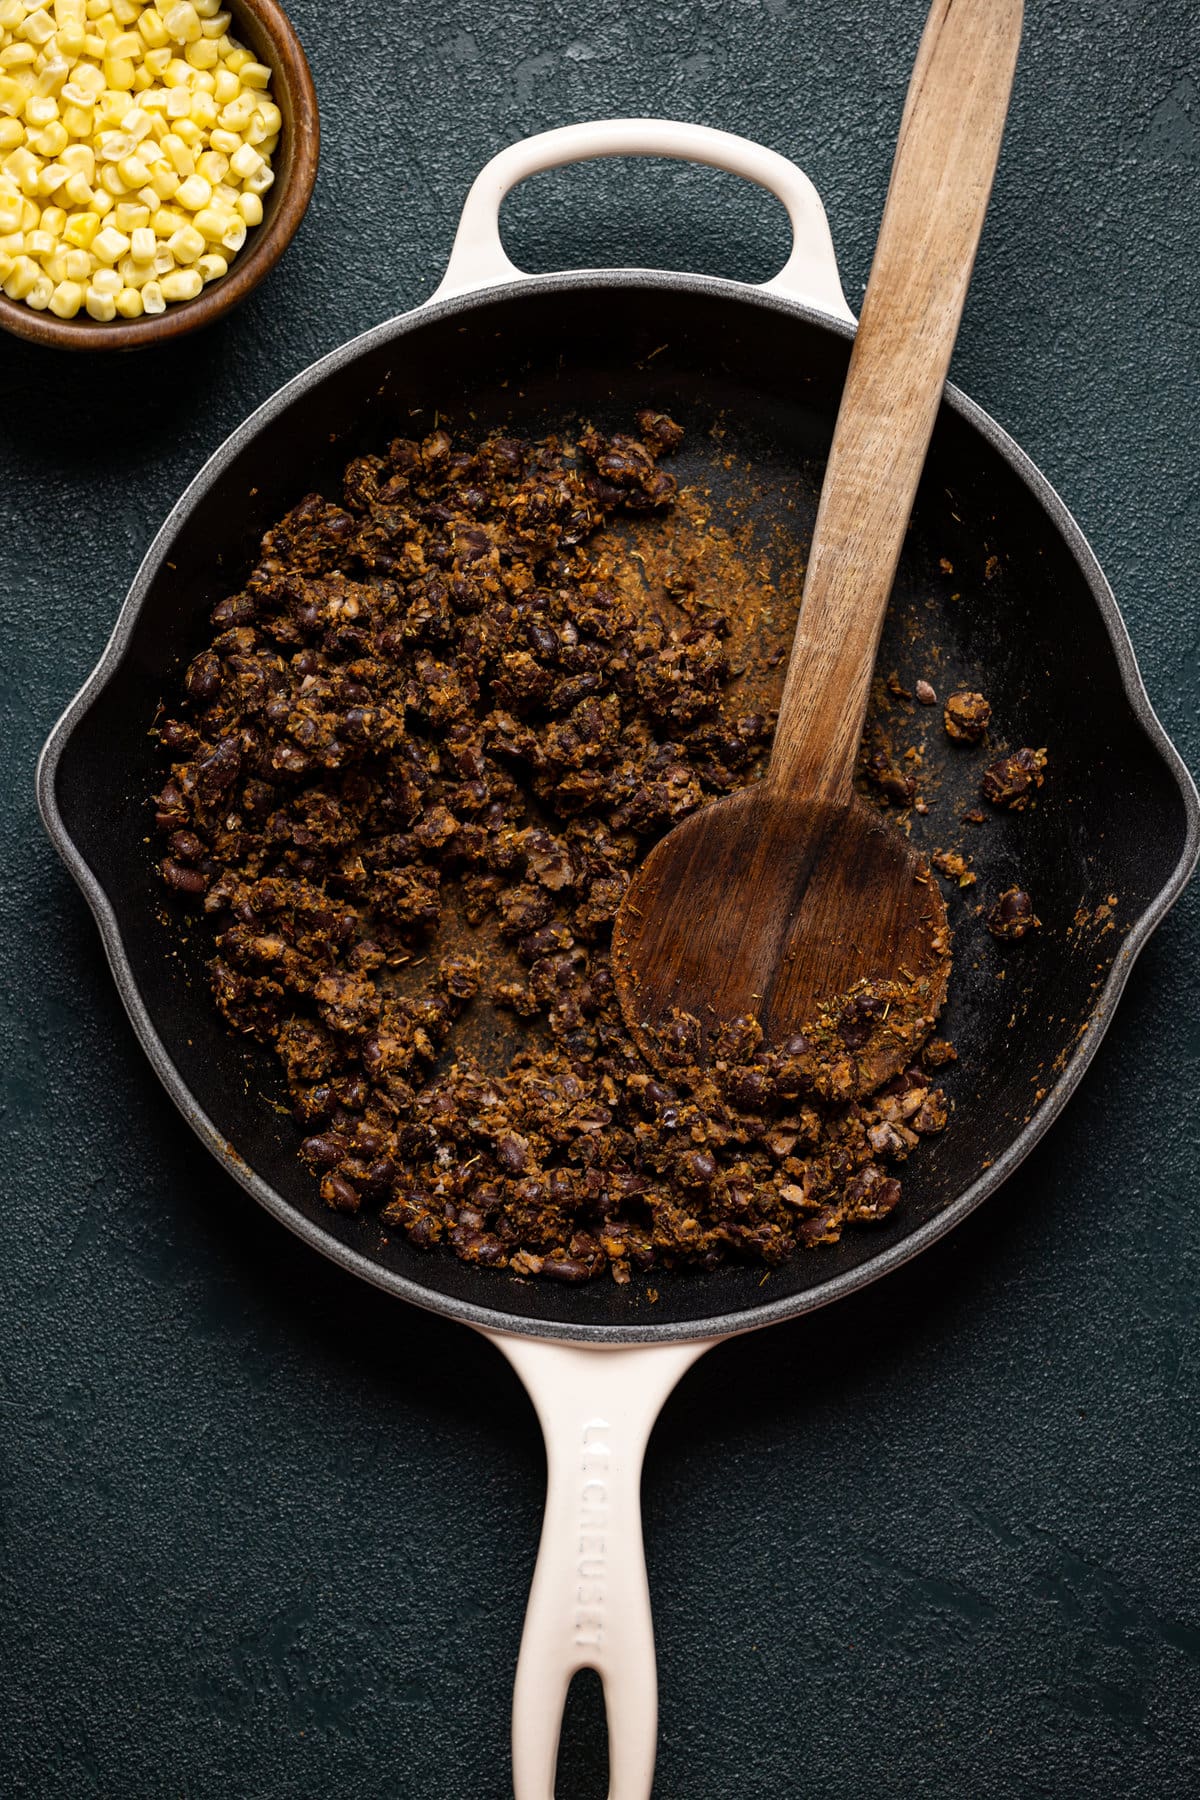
779, 900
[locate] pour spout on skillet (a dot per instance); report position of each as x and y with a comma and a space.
779, 900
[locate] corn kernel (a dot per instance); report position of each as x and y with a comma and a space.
225, 141
203, 112
10, 215
112, 107
56, 266
40, 293
179, 155
181, 284
152, 298
31, 213
101, 202
261, 180
151, 29
163, 262
118, 72
190, 132
40, 243
235, 236
206, 8
226, 87
53, 220
15, 56
12, 133
52, 76
129, 303
157, 60
71, 37
37, 28
204, 82
164, 181
213, 222
52, 139
127, 44
77, 265
109, 244
107, 281
186, 244
204, 55
66, 299
81, 228
106, 28
21, 277
125, 11
134, 274
112, 181
142, 241
136, 124
99, 306
212, 267
134, 172
194, 193
213, 165
183, 22
177, 73
166, 221
77, 189
237, 60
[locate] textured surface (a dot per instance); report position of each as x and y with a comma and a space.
266, 1533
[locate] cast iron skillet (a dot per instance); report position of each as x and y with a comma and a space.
1007, 593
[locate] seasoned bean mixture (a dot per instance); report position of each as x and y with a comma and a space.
410, 778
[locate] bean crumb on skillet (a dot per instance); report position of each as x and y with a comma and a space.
410, 776
1012, 915
965, 716
1011, 779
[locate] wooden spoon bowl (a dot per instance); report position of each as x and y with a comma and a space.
264, 28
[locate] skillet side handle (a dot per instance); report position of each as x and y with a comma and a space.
589, 1605
810, 274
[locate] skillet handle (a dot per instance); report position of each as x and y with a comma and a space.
810, 274
589, 1605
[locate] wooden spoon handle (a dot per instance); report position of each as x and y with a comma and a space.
946, 156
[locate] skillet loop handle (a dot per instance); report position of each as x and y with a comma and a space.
589, 1606
810, 274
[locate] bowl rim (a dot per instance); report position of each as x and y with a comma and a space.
290, 69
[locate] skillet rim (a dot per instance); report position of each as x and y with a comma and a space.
492, 1318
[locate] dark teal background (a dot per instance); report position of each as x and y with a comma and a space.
266, 1533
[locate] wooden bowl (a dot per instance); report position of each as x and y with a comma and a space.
263, 26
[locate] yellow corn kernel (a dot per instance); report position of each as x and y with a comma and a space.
203, 112
78, 190
181, 284
12, 133
164, 182
163, 262
109, 244
51, 139
136, 124
186, 244
183, 22
38, 27
147, 197
213, 222
212, 267
204, 55
255, 75
17, 56
237, 60
226, 87
70, 37
78, 120
225, 141
53, 177
134, 172
87, 81
107, 281
179, 155
66, 299
24, 168
54, 219
77, 265
194, 193
56, 266
40, 293
127, 44
179, 102
151, 29
261, 180
10, 214
217, 24
213, 166
142, 79
190, 132
106, 27
99, 306
245, 162
235, 236
166, 221
101, 203
21, 277
238, 114
111, 181
125, 12
128, 215
134, 274
96, 9
129, 303
152, 298
40, 109
157, 60
119, 72
40, 244
13, 11
80, 229
204, 82
112, 107
142, 242
206, 8
177, 73
79, 158
93, 44
31, 213
6, 266
51, 76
